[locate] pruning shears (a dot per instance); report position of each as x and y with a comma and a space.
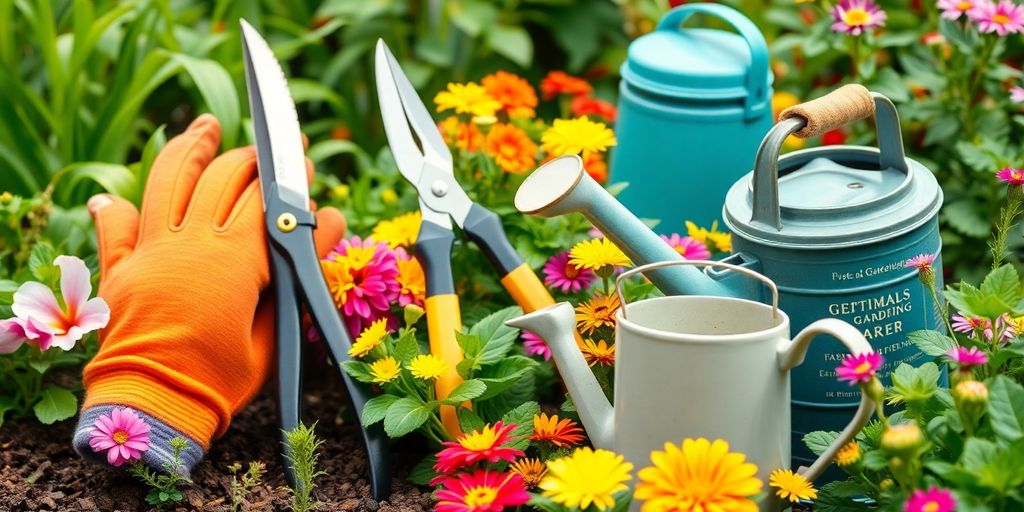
442, 200
295, 266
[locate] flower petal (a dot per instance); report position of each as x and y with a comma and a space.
75, 286
12, 335
95, 314
37, 301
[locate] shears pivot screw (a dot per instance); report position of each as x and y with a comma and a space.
439, 188
286, 222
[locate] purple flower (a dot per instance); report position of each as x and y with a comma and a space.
1011, 175
856, 16
953, 9
688, 247
859, 368
559, 273
535, 346
932, 500
1017, 94
967, 357
1002, 18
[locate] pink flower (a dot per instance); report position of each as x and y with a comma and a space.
1002, 18
970, 324
689, 248
14, 332
535, 346
1017, 94
953, 9
559, 273
40, 317
932, 500
859, 368
856, 16
484, 445
1011, 175
362, 277
122, 434
482, 491
921, 262
965, 357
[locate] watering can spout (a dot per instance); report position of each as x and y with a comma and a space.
556, 325
562, 186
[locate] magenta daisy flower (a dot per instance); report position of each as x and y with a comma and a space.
966, 358
1003, 325
859, 368
535, 346
1017, 94
970, 324
688, 247
1002, 18
1011, 175
559, 273
953, 9
856, 16
362, 277
932, 500
921, 262
122, 434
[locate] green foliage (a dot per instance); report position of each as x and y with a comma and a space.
303, 453
164, 487
242, 486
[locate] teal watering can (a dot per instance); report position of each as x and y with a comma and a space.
693, 105
832, 226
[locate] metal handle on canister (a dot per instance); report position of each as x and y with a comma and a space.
697, 263
756, 83
837, 108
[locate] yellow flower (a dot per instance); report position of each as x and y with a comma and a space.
597, 253
369, 338
469, 98
698, 475
385, 370
389, 196
427, 367
338, 274
413, 282
400, 231
598, 353
532, 471
597, 312
340, 192
782, 100
575, 136
903, 437
849, 454
721, 240
586, 477
792, 485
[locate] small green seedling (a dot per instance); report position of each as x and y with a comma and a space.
303, 454
242, 486
163, 487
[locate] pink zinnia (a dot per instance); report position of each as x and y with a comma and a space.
921, 262
559, 273
970, 324
535, 346
481, 491
859, 368
687, 247
1017, 94
965, 357
953, 9
856, 16
484, 445
1011, 175
361, 275
1002, 18
122, 434
932, 500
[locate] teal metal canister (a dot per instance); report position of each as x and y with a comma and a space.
693, 105
833, 226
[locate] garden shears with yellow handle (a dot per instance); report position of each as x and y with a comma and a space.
294, 262
442, 200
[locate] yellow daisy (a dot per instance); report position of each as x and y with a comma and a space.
597, 312
698, 475
596, 254
792, 486
586, 477
575, 136
532, 471
848, 455
599, 352
427, 367
468, 98
400, 231
385, 370
721, 240
369, 338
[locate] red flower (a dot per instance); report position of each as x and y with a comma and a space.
560, 82
483, 445
481, 491
584, 105
833, 137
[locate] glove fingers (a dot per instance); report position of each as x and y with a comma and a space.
175, 173
117, 228
330, 227
219, 192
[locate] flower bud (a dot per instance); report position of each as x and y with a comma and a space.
970, 392
927, 276
873, 389
389, 196
902, 439
340, 192
413, 313
886, 484
6, 197
849, 456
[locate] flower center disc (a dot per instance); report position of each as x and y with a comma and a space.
1001, 19
120, 437
856, 17
479, 496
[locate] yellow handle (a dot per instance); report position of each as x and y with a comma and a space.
529, 292
443, 320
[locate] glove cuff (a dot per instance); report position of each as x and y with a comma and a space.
159, 456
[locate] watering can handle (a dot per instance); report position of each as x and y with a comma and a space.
757, 76
696, 263
837, 108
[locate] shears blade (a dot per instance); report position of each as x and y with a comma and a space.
275, 123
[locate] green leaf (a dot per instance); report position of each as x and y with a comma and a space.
405, 416
469, 421
113, 178
358, 370
496, 337
838, 497
523, 414
952, 472
511, 42
933, 343
218, 92
911, 384
465, 391
1004, 471
423, 472
7, 403
472, 16
820, 440
875, 460
965, 216
55, 405
39, 366
1006, 408
505, 374
406, 347
40, 263
376, 408
1004, 283
470, 344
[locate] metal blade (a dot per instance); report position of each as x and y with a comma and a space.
275, 122
434, 148
396, 124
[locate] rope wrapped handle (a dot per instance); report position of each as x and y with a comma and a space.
833, 110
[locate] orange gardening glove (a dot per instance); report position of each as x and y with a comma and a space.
190, 340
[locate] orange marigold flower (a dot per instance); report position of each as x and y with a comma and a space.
561, 433
599, 352
595, 165
511, 148
598, 312
585, 105
560, 82
515, 94
462, 135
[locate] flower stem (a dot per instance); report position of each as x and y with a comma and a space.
1007, 219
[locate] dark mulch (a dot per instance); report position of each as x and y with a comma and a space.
40, 471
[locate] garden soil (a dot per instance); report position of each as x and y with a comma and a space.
40, 471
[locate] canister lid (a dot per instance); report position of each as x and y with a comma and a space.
837, 196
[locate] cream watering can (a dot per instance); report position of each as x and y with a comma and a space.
696, 366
